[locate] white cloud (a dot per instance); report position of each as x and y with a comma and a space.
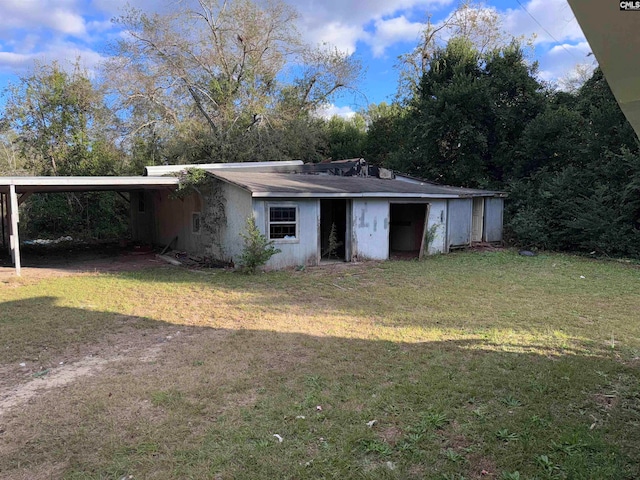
64, 53
329, 110
561, 60
116, 7
388, 32
341, 36
554, 15
343, 23
59, 16
359, 12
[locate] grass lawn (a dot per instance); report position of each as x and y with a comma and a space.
465, 366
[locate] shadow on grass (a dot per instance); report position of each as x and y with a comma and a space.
201, 402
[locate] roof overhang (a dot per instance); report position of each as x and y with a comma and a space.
369, 195
274, 166
85, 184
614, 37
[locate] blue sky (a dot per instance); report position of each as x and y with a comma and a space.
376, 32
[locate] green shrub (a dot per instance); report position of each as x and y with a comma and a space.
257, 249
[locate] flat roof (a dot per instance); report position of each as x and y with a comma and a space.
82, 184
315, 186
273, 166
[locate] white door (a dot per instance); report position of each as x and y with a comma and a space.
477, 219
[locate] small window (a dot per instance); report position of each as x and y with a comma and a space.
283, 223
196, 223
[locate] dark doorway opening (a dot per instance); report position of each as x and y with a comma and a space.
407, 229
333, 230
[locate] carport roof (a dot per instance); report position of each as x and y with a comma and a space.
84, 184
327, 186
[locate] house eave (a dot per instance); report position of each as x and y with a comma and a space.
366, 195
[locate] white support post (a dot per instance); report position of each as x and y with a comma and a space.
14, 237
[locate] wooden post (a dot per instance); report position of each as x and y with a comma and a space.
2, 219
14, 237
423, 244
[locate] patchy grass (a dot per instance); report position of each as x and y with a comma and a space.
473, 365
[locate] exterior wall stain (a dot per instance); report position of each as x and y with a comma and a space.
371, 243
213, 218
362, 223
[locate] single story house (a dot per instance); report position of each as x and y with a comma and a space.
370, 212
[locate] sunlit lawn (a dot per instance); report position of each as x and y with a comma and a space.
472, 365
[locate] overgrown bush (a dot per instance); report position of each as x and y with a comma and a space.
257, 249
82, 215
188, 182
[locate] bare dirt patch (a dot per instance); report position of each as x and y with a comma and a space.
62, 260
19, 384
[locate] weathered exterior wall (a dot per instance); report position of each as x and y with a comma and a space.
239, 207
459, 222
142, 222
173, 219
493, 216
370, 229
438, 221
223, 210
305, 249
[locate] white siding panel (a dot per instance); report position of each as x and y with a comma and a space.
459, 222
370, 229
438, 217
304, 251
237, 209
493, 220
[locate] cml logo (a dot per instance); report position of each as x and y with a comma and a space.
630, 5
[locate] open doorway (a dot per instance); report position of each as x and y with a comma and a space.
334, 238
407, 229
477, 219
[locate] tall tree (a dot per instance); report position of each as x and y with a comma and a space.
467, 114
385, 131
482, 26
346, 137
57, 123
222, 69
62, 123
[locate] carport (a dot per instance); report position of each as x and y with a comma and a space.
15, 190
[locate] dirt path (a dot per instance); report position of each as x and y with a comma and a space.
19, 384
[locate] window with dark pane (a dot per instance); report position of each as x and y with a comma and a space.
282, 223
282, 214
195, 222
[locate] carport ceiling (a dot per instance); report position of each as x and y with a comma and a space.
614, 37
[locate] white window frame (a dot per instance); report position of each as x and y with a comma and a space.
269, 206
195, 215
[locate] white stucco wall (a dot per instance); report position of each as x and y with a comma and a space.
238, 207
438, 217
173, 219
304, 249
370, 229
223, 209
